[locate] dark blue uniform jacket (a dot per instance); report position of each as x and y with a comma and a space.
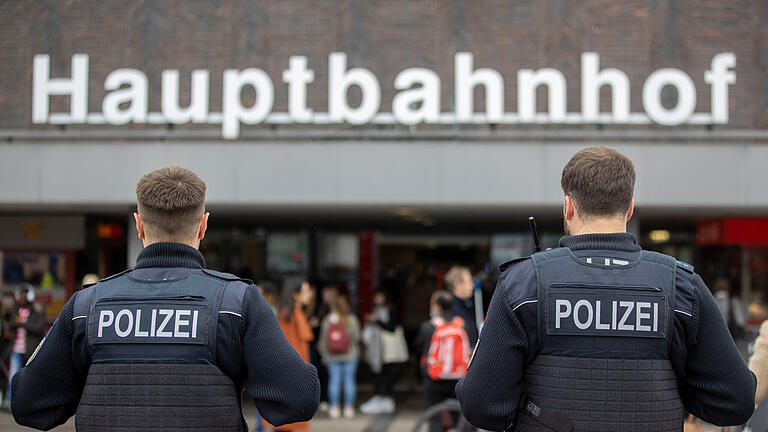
713, 380
251, 350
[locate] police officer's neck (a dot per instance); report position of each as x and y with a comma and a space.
596, 225
195, 243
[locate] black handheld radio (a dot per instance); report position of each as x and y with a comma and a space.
535, 232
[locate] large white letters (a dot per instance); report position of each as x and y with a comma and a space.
340, 80
197, 111
686, 97
135, 95
466, 80
427, 95
297, 76
234, 112
592, 78
527, 83
43, 86
416, 98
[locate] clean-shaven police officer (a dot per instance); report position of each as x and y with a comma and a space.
168, 345
599, 335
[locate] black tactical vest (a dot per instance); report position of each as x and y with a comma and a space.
604, 333
151, 336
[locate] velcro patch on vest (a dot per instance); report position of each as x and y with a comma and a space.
145, 323
606, 314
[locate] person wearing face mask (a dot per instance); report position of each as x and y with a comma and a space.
599, 334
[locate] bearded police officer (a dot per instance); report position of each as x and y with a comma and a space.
599, 335
168, 345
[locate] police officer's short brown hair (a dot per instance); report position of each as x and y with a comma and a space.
600, 180
171, 200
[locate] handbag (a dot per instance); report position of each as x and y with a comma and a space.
393, 346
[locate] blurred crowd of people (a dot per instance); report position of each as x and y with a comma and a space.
324, 327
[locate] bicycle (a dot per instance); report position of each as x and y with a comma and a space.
448, 407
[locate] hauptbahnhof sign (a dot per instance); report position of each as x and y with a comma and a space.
417, 100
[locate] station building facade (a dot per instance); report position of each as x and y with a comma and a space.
371, 144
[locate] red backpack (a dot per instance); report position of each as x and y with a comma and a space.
448, 356
338, 339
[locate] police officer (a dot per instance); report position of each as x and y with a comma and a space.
599, 335
169, 344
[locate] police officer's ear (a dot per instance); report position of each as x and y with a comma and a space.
631, 210
139, 226
203, 226
569, 208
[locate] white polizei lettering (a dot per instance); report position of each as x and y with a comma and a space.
614, 315
527, 83
297, 76
138, 332
106, 317
629, 305
43, 87
123, 313
686, 97
194, 324
181, 322
640, 315
136, 94
585, 324
233, 110
719, 77
168, 315
598, 324
417, 104
152, 323
197, 111
340, 80
466, 79
561, 313
655, 317
592, 79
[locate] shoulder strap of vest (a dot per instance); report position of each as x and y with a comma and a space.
81, 307
114, 276
685, 266
226, 276
550, 254
232, 298
505, 265
659, 258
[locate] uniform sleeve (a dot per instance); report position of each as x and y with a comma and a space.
489, 394
758, 363
284, 387
716, 385
46, 392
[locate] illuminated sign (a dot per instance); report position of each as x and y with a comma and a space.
418, 99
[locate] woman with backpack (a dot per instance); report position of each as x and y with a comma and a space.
338, 346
